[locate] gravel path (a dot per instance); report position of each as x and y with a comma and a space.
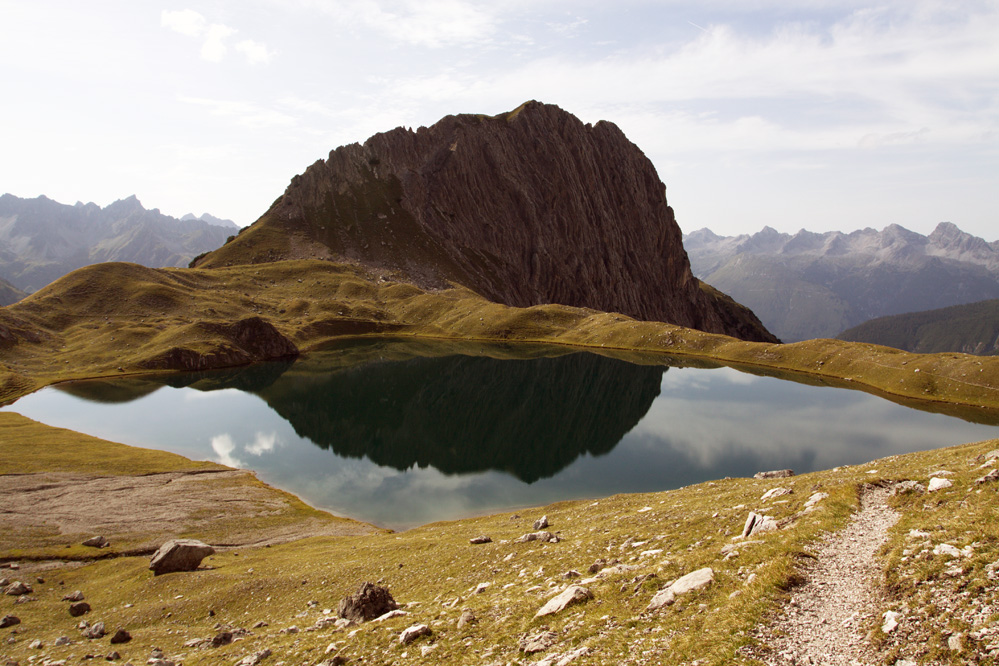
825, 619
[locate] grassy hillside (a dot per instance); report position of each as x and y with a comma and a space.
9, 293
119, 319
971, 329
283, 597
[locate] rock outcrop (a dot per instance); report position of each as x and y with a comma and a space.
525, 208
179, 555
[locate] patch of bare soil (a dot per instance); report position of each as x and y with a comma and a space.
828, 616
225, 508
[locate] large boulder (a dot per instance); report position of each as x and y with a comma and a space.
179, 555
370, 601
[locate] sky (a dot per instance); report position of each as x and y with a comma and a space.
815, 114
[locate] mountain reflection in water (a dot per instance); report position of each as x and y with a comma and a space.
405, 433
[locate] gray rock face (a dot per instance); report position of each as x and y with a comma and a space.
369, 602
179, 555
504, 206
541, 523
97, 542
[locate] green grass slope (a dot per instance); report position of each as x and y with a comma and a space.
120, 319
971, 329
283, 598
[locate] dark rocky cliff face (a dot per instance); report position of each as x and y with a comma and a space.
528, 207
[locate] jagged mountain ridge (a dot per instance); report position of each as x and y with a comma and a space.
810, 285
528, 207
42, 240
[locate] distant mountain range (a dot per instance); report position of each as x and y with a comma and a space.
971, 329
811, 285
41, 239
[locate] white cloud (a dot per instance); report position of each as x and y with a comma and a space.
263, 443
244, 114
185, 21
255, 52
223, 446
214, 49
429, 23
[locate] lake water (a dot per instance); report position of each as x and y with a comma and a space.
405, 433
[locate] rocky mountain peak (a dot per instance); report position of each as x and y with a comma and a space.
527, 207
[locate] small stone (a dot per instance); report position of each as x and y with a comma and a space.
890, 622
63, 640
541, 523
695, 580
254, 659
94, 631
544, 537
480, 539
9, 621
79, 608
179, 555
956, 642
390, 615
36, 644
97, 542
410, 634
904, 487
991, 476
17, 588
938, 483
776, 492
467, 617
537, 642
112, 656
946, 549
572, 595
121, 636
774, 474
74, 596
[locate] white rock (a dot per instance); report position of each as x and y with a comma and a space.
936, 483
389, 615
695, 580
776, 492
816, 498
946, 549
410, 634
574, 594
891, 622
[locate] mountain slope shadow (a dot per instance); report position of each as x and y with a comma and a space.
461, 414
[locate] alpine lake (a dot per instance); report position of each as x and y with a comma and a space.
402, 433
